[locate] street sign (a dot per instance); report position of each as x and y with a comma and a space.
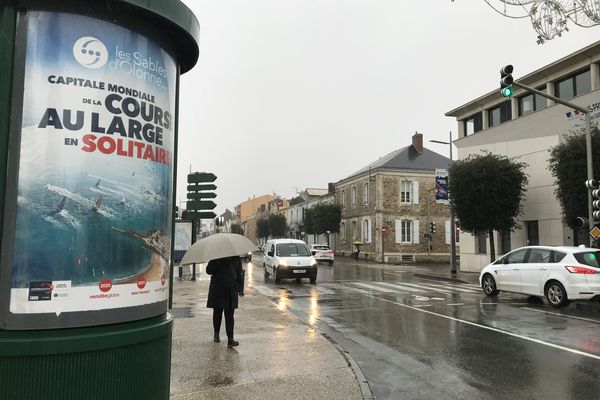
193, 188
190, 215
200, 177
201, 205
595, 233
201, 195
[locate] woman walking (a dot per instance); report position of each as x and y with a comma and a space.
226, 282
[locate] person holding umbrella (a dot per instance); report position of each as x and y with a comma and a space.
226, 282
222, 252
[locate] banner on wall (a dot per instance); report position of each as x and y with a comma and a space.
441, 186
94, 206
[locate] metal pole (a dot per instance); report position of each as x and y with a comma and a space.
193, 272
452, 228
429, 231
382, 250
590, 171
588, 142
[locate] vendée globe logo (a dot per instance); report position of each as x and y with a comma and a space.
90, 52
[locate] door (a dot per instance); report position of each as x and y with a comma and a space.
509, 273
269, 257
533, 272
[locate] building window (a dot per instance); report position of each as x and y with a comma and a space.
499, 114
353, 198
366, 230
573, 85
366, 194
354, 230
481, 244
407, 231
473, 124
409, 192
504, 242
533, 235
343, 199
532, 102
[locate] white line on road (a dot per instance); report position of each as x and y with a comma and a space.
266, 291
423, 287
455, 304
398, 286
489, 328
366, 285
454, 287
561, 315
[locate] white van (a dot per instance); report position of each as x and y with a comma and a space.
287, 259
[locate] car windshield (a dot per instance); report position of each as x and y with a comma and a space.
591, 258
292, 250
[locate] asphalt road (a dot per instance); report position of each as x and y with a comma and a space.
423, 338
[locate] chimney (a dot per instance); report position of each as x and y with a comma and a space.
331, 187
417, 142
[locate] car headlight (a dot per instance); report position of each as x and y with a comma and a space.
283, 263
313, 262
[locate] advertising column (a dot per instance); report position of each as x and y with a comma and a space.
88, 141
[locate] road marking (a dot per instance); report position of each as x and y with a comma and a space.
424, 287
455, 304
562, 315
453, 287
422, 305
366, 285
398, 286
489, 328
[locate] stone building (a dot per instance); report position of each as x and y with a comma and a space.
395, 192
524, 128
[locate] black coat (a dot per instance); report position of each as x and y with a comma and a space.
226, 282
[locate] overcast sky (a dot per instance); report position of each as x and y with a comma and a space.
289, 94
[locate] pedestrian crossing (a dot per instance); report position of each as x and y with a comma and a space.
341, 287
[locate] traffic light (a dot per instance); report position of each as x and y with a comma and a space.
596, 204
432, 228
581, 222
506, 80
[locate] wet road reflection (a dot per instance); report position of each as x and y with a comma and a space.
421, 338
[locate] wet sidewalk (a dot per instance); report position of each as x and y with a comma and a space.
279, 357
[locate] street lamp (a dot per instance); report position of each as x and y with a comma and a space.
452, 228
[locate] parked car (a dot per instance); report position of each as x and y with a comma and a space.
561, 274
289, 258
247, 256
322, 252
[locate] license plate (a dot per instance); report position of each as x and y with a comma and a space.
299, 271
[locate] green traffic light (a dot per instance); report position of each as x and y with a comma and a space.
507, 91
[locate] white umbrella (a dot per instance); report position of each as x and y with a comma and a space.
215, 246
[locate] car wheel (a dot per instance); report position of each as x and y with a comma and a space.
276, 276
330, 263
266, 274
488, 284
313, 279
556, 294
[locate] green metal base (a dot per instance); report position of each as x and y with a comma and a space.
123, 361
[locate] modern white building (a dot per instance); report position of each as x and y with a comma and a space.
525, 127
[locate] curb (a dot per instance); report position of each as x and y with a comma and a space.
440, 278
363, 384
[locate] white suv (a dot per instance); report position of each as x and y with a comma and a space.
289, 258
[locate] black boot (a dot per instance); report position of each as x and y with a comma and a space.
216, 339
232, 343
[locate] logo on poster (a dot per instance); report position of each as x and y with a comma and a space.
105, 285
90, 52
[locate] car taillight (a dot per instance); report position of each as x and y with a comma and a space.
580, 270
330, 252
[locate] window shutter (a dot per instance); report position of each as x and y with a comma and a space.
415, 224
447, 231
370, 231
398, 231
415, 192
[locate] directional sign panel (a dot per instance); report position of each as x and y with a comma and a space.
201, 205
199, 177
190, 215
194, 188
201, 195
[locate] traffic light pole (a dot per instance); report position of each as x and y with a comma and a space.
588, 142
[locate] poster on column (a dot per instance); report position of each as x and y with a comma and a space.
441, 186
94, 205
